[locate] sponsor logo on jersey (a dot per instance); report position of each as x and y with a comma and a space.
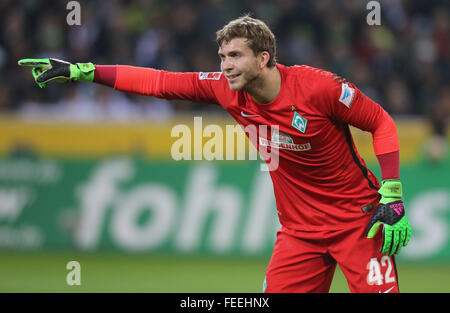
281, 140
281, 137
209, 75
299, 122
286, 146
347, 95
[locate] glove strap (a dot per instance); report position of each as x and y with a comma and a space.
83, 72
391, 190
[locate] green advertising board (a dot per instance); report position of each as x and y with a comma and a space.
133, 205
187, 207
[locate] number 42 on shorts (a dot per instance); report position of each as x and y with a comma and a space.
375, 275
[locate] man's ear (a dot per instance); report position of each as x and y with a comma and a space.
264, 58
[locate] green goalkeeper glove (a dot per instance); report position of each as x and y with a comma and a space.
390, 213
47, 70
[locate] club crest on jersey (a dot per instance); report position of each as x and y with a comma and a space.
209, 75
347, 95
299, 122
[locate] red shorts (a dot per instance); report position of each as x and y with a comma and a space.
305, 262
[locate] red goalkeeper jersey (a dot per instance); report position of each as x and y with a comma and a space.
321, 182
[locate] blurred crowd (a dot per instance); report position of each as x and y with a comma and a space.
403, 64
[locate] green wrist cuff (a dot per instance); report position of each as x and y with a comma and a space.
391, 190
83, 72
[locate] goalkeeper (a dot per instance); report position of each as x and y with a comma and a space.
331, 207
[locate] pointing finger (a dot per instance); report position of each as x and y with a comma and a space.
34, 62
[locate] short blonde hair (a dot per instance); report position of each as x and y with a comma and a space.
259, 37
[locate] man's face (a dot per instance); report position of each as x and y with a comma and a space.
238, 63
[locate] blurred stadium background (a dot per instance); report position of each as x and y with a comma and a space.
86, 172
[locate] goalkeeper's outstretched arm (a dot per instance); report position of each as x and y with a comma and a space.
130, 79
